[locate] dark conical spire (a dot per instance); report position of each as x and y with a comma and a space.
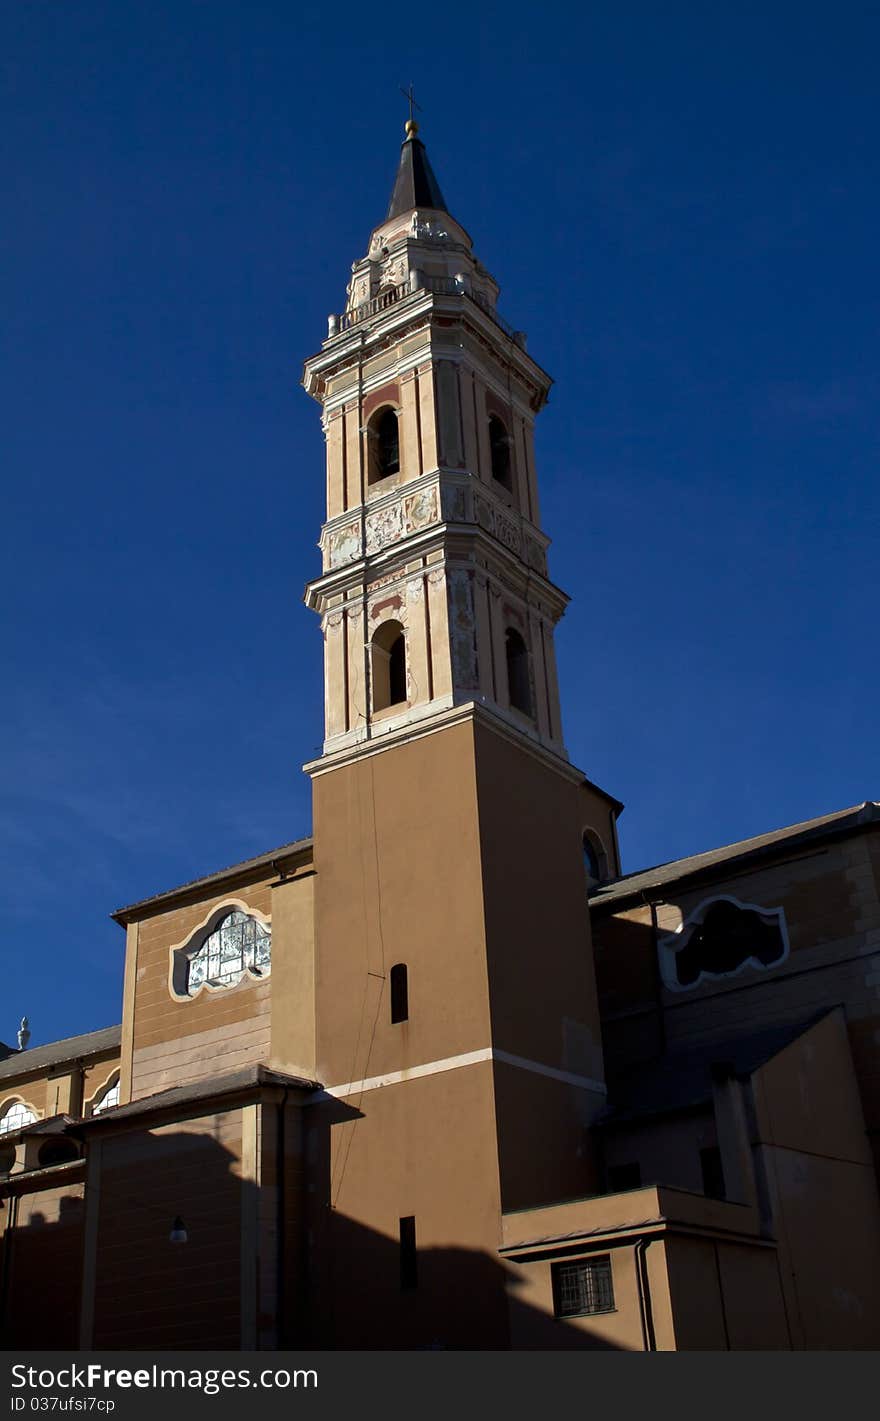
415, 184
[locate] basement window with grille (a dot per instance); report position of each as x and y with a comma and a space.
583, 1287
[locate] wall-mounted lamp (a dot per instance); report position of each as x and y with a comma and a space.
178, 1232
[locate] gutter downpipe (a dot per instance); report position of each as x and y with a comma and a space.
643, 1283
280, 1238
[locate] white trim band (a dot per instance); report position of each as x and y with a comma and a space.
454, 1063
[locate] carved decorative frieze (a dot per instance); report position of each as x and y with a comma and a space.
507, 532
420, 509
454, 500
484, 514
536, 556
384, 526
343, 545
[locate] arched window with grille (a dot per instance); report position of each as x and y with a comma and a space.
388, 665
383, 443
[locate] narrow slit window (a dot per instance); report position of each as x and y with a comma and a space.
409, 1271
399, 993
713, 1173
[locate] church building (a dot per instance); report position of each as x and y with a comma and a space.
443, 1075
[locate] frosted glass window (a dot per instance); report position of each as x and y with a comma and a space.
108, 1099
237, 945
15, 1118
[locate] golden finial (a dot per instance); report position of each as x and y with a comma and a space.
412, 127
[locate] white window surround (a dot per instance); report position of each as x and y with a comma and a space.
15, 1115
182, 954
107, 1096
672, 944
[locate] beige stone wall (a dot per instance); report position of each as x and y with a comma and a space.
42, 1260
817, 1170
176, 1042
397, 856
423, 1148
145, 1292
829, 894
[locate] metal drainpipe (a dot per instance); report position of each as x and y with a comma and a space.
643, 1284
280, 1237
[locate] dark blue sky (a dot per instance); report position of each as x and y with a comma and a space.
680, 202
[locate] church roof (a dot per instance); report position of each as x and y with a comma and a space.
39, 1058
746, 851
415, 184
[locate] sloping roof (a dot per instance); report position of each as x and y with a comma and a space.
72, 1048
634, 885
245, 1079
682, 1080
415, 184
236, 870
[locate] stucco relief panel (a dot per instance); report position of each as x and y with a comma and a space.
536, 556
384, 525
454, 501
507, 533
343, 545
421, 509
484, 514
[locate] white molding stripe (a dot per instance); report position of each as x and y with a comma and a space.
567, 1077
455, 1063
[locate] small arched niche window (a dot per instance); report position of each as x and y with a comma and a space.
383, 443
388, 662
108, 1098
595, 861
519, 683
237, 944
499, 452
399, 993
15, 1117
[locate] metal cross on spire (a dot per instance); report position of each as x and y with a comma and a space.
409, 95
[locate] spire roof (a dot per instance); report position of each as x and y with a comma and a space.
415, 184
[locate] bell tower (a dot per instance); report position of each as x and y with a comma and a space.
457, 1029
434, 593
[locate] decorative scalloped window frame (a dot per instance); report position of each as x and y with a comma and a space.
181, 953
7, 1106
671, 945
95, 1102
